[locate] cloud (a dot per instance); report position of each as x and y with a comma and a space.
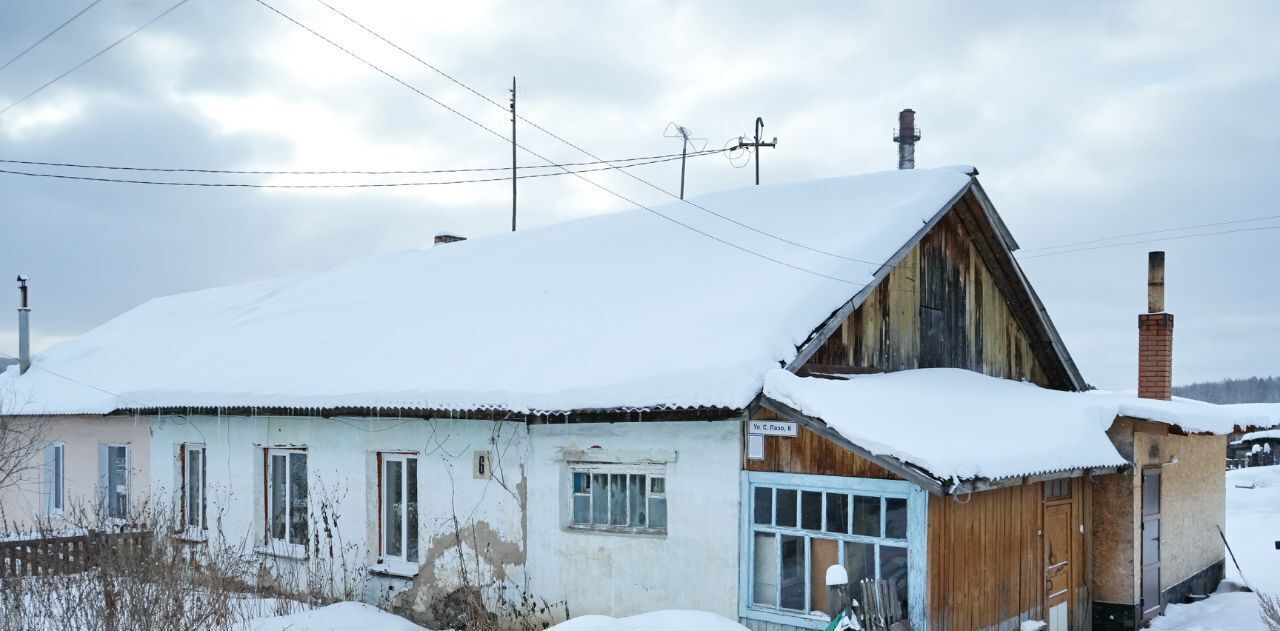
1086, 120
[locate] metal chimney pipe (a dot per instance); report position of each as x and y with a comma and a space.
1155, 282
906, 137
24, 328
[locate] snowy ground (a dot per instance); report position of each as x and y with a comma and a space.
1253, 527
338, 617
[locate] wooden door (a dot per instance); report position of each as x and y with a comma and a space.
1057, 565
1150, 542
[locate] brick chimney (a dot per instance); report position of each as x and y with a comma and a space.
1155, 337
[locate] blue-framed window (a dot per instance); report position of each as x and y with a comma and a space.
626, 498
796, 526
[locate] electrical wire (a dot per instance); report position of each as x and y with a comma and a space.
549, 161
584, 151
49, 34
1177, 238
347, 172
88, 178
1139, 234
94, 56
76, 381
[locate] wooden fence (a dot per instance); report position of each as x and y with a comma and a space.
62, 555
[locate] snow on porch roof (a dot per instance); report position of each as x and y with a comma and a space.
613, 311
958, 424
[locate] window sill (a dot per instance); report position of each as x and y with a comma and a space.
652, 533
399, 569
190, 536
792, 618
283, 551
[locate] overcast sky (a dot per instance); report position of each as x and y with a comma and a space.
1086, 120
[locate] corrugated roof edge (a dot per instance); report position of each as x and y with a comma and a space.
493, 413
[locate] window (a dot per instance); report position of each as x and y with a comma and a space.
1057, 489
194, 482
286, 505
618, 498
113, 474
398, 507
55, 480
799, 525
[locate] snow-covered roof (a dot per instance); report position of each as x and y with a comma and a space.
1197, 417
613, 311
1266, 434
1267, 413
958, 424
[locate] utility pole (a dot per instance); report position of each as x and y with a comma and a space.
684, 153
513, 154
685, 137
743, 144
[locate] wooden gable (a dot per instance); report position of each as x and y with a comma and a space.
954, 299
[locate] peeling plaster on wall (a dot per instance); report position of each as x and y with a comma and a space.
693, 566
341, 455
1193, 505
1192, 502
1114, 527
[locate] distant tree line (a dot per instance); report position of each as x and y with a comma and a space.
1250, 390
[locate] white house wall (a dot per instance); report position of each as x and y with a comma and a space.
693, 566
342, 476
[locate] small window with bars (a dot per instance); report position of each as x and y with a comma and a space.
618, 498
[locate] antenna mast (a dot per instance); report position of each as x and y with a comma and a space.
755, 146
513, 154
685, 137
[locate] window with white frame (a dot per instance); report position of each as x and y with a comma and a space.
618, 497
192, 463
398, 507
113, 474
55, 479
285, 479
799, 525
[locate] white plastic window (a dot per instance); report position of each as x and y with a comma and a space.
398, 507
286, 505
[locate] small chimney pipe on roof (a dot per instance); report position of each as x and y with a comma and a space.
24, 328
1155, 337
1155, 282
447, 237
906, 137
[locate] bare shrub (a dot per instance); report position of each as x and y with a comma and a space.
1270, 611
21, 443
97, 574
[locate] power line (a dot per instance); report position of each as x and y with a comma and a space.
549, 161
1139, 234
76, 381
94, 56
49, 34
584, 151
87, 178
1177, 238
348, 171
